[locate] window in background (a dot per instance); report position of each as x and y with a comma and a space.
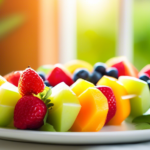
141, 27
97, 27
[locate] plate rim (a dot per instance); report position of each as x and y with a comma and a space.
75, 137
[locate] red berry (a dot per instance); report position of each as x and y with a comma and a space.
13, 77
121, 68
30, 82
107, 91
58, 75
29, 113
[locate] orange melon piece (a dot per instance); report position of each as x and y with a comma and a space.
93, 113
123, 106
123, 66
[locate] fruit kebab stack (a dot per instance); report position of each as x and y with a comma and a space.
75, 96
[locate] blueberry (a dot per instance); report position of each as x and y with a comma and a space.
47, 83
148, 82
95, 77
113, 72
42, 75
100, 67
144, 77
81, 73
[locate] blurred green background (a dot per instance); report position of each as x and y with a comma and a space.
141, 28
97, 31
97, 24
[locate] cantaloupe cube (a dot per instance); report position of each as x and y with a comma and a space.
94, 109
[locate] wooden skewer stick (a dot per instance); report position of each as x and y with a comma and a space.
129, 96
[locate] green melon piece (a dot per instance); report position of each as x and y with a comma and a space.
9, 94
141, 103
66, 107
6, 115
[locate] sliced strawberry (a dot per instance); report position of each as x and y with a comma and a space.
13, 77
107, 91
59, 74
145, 70
30, 82
29, 113
120, 67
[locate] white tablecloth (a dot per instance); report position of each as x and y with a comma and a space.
10, 145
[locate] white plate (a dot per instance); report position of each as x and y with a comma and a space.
108, 135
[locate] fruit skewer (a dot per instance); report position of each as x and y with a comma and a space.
76, 97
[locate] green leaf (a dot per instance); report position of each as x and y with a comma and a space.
142, 126
48, 93
45, 94
45, 97
129, 119
47, 101
142, 119
10, 23
47, 127
45, 118
49, 106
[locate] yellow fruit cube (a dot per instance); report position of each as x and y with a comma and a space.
80, 86
2, 80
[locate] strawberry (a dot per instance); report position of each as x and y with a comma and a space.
29, 112
13, 77
107, 91
30, 82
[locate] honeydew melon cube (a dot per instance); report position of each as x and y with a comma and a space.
66, 107
141, 103
6, 115
9, 94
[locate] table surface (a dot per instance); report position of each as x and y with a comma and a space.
10, 145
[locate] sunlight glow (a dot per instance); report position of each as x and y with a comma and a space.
93, 5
